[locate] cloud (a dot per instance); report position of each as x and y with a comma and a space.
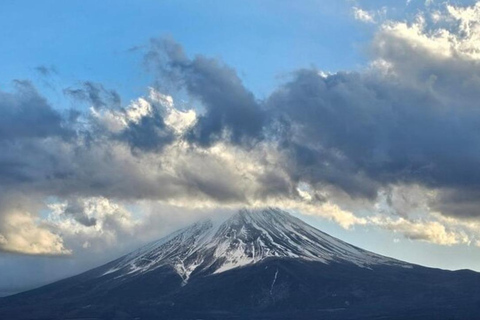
150, 133
94, 94
393, 145
463, 203
363, 15
22, 235
77, 209
26, 114
410, 118
46, 71
93, 223
22, 232
430, 231
231, 111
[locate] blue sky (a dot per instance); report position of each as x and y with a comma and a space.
91, 40
379, 150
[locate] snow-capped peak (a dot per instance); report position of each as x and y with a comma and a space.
245, 238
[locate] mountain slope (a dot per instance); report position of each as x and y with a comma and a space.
253, 265
245, 238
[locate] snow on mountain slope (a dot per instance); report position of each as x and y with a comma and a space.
245, 238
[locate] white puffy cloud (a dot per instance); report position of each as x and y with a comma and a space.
430, 231
180, 121
114, 224
23, 234
21, 231
410, 210
363, 15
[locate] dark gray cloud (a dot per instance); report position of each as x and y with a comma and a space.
149, 134
357, 133
46, 71
460, 202
26, 114
361, 131
76, 209
231, 109
95, 94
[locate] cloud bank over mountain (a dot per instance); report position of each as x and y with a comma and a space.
393, 146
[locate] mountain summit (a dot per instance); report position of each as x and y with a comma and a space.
262, 264
247, 237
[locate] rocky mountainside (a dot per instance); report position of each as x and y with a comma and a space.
263, 264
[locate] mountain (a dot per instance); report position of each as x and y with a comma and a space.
211, 247
263, 264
